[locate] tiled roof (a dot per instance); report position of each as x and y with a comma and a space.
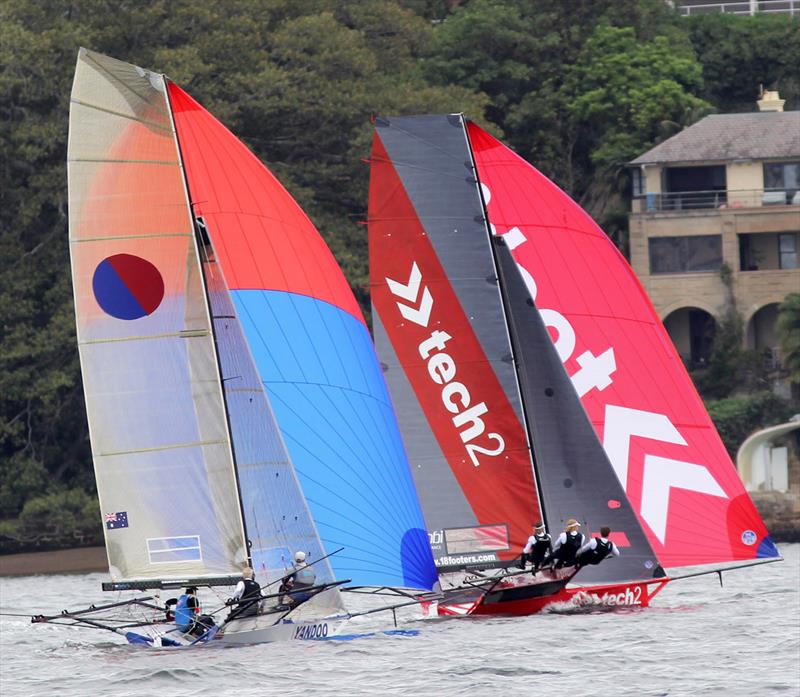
725, 137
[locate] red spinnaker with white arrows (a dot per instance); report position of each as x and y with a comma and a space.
632, 383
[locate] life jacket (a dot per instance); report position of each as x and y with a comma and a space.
304, 577
569, 549
540, 548
249, 599
596, 555
184, 614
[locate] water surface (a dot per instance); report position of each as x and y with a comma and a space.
696, 639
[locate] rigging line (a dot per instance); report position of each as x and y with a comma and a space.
114, 112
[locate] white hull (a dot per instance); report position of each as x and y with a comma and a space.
248, 631
255, 630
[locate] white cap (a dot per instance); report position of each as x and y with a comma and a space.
299, 556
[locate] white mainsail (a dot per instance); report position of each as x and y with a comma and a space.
160, 442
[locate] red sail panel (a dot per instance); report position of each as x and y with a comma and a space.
269, 242
632, 383
452, 379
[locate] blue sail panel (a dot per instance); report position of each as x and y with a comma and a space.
330, 400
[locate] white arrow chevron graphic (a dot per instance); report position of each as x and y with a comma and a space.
409, 291
622, 424
661, 475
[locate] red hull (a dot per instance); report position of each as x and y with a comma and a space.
631, 594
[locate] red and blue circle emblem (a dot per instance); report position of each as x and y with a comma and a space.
127, 287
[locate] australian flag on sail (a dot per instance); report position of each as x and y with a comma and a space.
115, 521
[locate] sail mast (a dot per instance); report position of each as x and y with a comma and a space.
207, 304
512, 341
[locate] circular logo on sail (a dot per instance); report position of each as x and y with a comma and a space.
127, 286
749, 537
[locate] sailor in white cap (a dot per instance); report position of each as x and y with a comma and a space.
303, 577
537, 548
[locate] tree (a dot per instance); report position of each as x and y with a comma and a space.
740, 54
788, 327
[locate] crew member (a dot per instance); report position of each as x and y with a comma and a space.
246, 596
185, 610
567, 545
303, 577
597, 549
537, 549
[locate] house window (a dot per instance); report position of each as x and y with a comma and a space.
638, 183
781, 177
685, 254
787, 250
694, 187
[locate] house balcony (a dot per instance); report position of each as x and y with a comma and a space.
681, 202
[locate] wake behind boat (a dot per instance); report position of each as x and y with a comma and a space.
220, 348
534, 381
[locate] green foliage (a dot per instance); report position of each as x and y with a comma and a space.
788, 328
739, 54
62, 518
577, 87
737, 417
725, 365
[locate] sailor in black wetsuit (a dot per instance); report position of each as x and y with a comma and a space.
567, 545
537, 549
245, 596
597, 549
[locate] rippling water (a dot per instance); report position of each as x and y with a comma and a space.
696, 639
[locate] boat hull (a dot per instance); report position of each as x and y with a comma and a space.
531, 598
250, 633
257, 630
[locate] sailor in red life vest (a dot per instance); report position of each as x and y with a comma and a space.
597, 549
537, 549
567, 545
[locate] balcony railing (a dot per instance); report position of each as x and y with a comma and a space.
697, 200
743, 7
